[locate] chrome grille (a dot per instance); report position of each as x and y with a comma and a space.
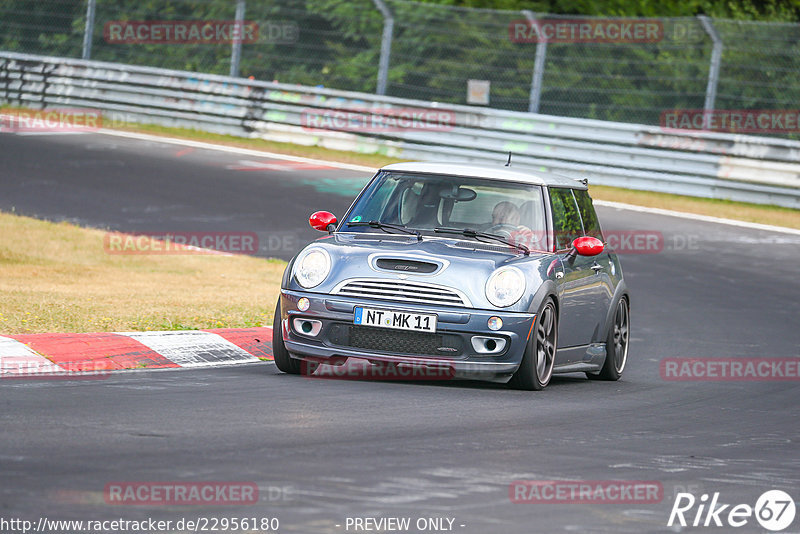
401, 291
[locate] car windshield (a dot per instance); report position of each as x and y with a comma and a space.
427, 202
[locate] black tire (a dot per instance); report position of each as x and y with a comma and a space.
617, 342
283, 361
536, 369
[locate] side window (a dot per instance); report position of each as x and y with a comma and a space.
566, 220
591, 225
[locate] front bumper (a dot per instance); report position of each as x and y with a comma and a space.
451, 347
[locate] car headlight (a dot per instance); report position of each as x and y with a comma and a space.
505, 286
312, 267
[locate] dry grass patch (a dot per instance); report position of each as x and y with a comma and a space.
57, 277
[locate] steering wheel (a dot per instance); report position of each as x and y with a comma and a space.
502, 229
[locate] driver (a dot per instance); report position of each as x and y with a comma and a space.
505, 215
505, 222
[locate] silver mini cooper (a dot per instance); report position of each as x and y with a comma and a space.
489, 273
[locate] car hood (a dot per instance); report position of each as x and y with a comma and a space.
461, 264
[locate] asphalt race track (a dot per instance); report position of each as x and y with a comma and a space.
321, 451
137, 186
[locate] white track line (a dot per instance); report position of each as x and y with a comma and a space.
237, 150
349, 166
28, 134
696, 217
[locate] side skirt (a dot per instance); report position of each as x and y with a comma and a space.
582, 359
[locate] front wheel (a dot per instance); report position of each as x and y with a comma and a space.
283, 361
536, 369
616, 344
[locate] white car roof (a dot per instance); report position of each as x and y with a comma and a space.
494, 173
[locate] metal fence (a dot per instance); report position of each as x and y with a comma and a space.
430, 52
737, 167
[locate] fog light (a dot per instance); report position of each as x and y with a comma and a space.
488, 345
303, 304
495, 323
308, 327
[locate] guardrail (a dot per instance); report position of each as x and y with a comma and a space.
737, 167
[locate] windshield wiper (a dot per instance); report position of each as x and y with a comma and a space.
383, 226
469, 232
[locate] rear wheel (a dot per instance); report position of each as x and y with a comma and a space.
616, 344
283, 361
536, 369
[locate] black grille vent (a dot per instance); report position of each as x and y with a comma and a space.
396, 341
406, 266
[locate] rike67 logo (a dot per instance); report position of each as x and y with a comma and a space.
774, 510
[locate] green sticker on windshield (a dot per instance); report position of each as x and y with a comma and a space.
357, 218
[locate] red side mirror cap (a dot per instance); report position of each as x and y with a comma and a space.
321, 220
588, 246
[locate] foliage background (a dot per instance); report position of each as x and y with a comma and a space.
440, 44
